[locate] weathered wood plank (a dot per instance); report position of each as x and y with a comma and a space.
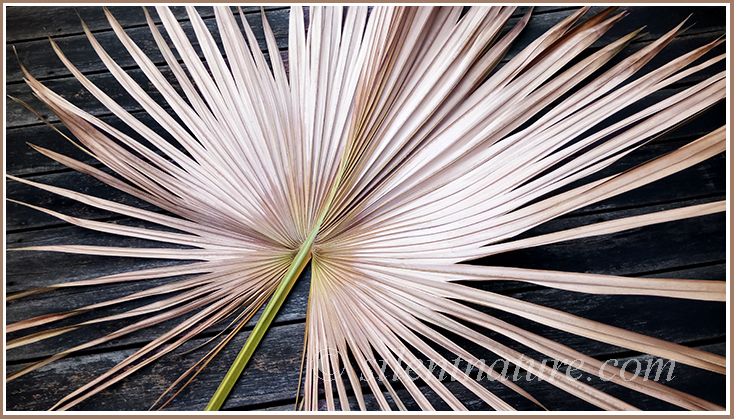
41, 56
75, 93
66, 22
706, 19
622, 253
23, 160
72, 90
276, 376
25, 218
293, 310
34, 22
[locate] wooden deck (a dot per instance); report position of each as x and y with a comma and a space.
693, 249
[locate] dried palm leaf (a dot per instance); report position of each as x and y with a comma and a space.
387, 155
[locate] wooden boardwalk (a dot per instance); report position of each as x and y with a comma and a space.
693, 249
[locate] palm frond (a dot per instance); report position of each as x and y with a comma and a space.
394, 148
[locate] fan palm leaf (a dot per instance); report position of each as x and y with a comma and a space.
389, 153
